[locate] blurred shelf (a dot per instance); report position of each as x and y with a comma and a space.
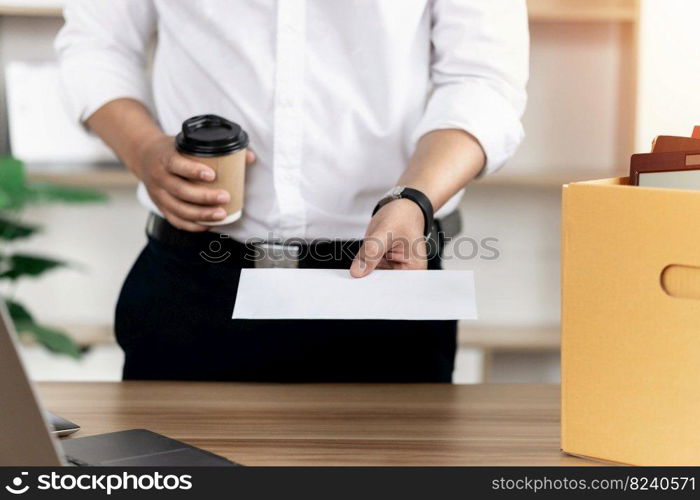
554, 179
117, 176
89, 176
490, 338
622, 11
539, 10
14, 9
89, 335
509, 339
85, 335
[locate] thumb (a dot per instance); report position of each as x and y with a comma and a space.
370, 254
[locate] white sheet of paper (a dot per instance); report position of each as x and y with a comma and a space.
333, 294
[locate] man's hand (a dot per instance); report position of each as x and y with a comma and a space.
393, 240
176, 185
443, 163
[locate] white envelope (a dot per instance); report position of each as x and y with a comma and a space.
334, 294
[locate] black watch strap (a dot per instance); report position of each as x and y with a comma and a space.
416, 197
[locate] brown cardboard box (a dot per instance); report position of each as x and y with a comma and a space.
631, 323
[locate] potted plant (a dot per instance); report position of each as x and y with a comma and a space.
16, 192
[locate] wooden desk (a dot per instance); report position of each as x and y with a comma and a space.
267, 424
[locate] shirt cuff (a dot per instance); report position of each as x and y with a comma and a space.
478, 109
90, 82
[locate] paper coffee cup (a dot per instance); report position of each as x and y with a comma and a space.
221, 144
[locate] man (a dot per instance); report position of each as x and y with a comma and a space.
342, 100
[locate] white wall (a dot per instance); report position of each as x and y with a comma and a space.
577, 103
521, 287
669, 70
572, 124
575, 128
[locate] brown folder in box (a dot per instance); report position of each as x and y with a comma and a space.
668, 143
662, 162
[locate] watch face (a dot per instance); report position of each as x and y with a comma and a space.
396, 192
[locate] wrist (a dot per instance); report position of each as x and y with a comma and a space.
411, 213
415, 197
143, 149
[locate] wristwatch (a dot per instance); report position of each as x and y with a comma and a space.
417, 197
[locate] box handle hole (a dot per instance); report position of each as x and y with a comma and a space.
680, 281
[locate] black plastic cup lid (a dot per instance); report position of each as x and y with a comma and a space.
210, 135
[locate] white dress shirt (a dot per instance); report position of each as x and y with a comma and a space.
334, 94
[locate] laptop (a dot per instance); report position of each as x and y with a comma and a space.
26, 438
59, 426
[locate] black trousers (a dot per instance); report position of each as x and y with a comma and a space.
173, 321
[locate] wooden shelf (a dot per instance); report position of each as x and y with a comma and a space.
527, 180
478, 337
116, 176
509, 339
624, 11
554, 179
88, 176
491, 338
19, 10
85, 335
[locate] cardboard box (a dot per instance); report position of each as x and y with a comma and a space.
631, 323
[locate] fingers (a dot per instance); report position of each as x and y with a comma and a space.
384, 251
412, 265
369, 257
176, 189
391, 261
250, 157
195, 171
185, 225
194, 193
407, 255
184, 167
187, 212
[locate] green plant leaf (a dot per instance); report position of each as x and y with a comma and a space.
12, 230
19, 315
12, 176
15, 191
54, 340
12, 183
5, 199
45, 193
18, 265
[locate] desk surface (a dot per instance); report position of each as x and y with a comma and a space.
268, 424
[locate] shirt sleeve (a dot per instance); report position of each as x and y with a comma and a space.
102, 53
479, 69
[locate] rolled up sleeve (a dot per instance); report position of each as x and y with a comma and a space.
102, 53
479, 72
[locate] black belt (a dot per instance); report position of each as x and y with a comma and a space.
217, 248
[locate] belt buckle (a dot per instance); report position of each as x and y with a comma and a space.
276, 256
